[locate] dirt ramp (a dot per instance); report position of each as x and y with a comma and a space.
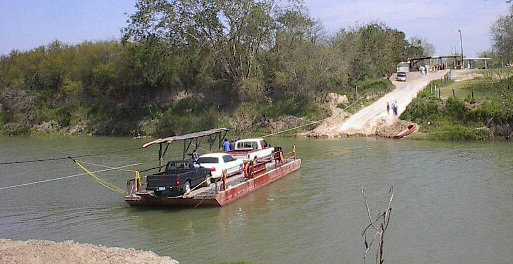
40, 251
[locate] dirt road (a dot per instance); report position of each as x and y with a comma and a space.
366, 121
369, 119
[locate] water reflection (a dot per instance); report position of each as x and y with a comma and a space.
454, 203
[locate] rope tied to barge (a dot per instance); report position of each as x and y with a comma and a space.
99, 180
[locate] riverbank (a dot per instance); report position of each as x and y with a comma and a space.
42, 251
478, 105
185, 113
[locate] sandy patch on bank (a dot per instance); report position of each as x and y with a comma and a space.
40, 251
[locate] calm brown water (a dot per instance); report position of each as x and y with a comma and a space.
454, 203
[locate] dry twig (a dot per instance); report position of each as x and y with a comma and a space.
383, 219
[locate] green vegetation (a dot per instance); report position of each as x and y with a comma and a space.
368, 92
486, 114
502, 39
477, 109
191, 65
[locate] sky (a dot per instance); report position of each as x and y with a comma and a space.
27, 24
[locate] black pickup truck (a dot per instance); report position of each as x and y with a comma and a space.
178, 178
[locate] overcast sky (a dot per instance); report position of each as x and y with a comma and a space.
26, 24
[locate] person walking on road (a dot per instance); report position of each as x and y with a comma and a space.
388, 108
394, 108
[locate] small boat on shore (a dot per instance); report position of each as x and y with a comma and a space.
407, 131
256, 174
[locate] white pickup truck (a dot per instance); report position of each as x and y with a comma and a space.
252, 149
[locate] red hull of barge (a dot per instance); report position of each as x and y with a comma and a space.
240, 189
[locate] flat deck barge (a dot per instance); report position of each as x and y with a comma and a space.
216, 194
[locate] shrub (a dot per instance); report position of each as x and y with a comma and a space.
456, 108
421, 110
5, 117
448, 130
185, 116
251, 90
63, 116
374, 86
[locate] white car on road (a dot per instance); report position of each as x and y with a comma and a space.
401, 76
217, 162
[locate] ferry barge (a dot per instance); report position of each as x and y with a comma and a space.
256, 174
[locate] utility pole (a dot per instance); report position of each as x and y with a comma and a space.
461, 44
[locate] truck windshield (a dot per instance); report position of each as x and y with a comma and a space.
247, 145
208, 160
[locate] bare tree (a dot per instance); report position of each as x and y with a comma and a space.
379, 225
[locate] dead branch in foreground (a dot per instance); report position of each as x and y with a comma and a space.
379, 225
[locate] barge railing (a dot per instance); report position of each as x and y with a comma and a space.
251, 170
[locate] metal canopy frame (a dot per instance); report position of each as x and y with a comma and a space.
196, 137
414, 61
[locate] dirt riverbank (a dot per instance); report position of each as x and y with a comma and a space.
41, 251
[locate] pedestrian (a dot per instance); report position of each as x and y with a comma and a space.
226, 145
388, 108
232, 144
395, 108
195, 155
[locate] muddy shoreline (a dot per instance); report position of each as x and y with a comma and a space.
43, 251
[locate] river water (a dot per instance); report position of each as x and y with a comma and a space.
453, 203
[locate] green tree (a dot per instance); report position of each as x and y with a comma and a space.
502, 37
232, 31
420, 47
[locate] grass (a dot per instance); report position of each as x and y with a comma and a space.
480, 106
369, 91
446, 129
484, 88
